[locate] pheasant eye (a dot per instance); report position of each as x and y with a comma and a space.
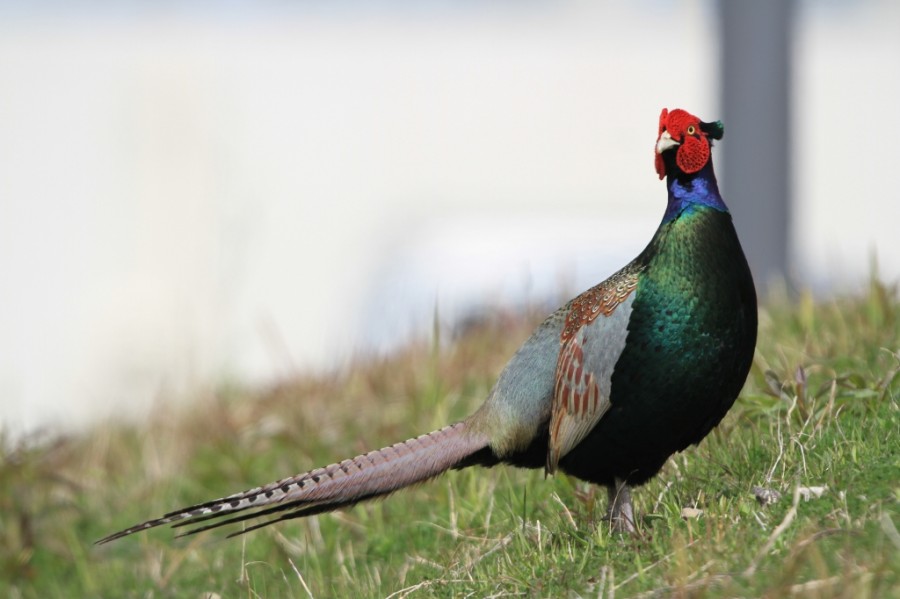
691, 130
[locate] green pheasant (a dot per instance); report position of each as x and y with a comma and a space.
608, 387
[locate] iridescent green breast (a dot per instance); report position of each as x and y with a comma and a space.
691, 337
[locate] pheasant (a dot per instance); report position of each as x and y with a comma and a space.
609, 386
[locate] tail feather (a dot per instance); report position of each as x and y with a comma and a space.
366, 476
294, 512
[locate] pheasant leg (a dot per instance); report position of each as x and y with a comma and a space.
620, 512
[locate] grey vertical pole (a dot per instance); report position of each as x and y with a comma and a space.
756, 162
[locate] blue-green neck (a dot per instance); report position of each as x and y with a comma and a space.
692, 191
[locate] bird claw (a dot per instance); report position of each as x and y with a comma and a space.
622, 524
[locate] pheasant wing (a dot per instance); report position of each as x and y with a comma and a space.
592, 341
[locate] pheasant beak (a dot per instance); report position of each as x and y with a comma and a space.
665, 142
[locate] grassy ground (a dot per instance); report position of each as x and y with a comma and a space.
819, 418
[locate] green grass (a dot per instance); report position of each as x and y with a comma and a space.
820, 410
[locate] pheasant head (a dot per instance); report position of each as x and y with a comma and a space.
688, 137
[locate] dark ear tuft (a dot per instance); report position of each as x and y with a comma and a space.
713, 130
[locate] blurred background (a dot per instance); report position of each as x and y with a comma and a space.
193, 193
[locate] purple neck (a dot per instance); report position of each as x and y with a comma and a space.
690, 191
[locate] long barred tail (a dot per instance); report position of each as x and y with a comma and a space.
366, 476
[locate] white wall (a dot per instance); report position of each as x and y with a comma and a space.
187, 198
847, 127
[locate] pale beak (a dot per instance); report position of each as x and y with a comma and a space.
665, 142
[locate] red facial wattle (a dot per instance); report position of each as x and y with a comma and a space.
693, 149
693, 154
660, 164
